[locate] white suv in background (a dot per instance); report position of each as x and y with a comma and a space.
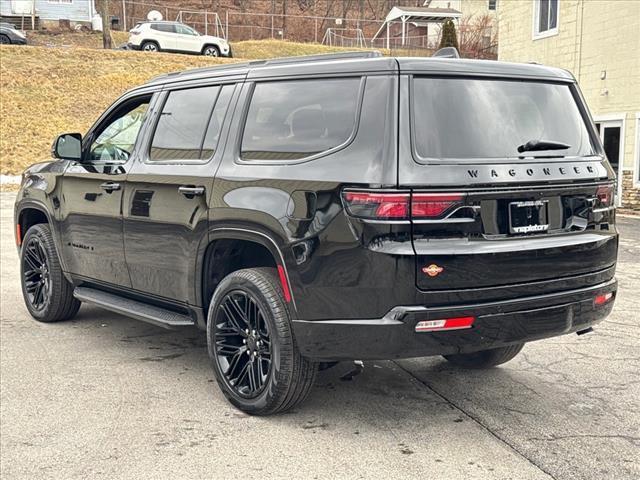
175, 37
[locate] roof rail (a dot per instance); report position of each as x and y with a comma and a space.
215, 68
317, 58
273, 61
447, 52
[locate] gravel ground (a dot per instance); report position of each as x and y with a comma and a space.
104, 396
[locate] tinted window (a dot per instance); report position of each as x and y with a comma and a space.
467, 118
182, 125
215, 122
164, 27
296, 119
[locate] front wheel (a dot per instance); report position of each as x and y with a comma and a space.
47, 294
485, 358
255, 358
4, 39
211, 51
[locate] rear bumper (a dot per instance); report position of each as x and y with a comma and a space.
497, 324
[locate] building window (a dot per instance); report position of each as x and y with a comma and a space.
60, 1
545, 19
492, 4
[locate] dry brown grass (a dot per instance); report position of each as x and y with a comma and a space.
65, 83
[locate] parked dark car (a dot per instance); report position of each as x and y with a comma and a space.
330, 208
11, 35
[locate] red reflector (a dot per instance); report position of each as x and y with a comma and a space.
18, 234
605, 195
430, 205
603, 298
284, 284
456, 323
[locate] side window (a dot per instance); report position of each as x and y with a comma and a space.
215, 123
290, 120
189, 124
164, 27
184, 30
116, 140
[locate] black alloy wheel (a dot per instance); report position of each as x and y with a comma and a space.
243, 343
251, 344
35, 274
47, 294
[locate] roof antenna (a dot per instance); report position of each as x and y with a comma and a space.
447, 52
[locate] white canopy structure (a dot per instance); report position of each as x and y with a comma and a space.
416, 16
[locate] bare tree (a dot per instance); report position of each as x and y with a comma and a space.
106, 24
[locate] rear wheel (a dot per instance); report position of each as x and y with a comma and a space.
211, 51
485, 358
150, 47
4, 39
47, 294
255, 357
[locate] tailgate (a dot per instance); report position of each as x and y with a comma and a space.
511, 236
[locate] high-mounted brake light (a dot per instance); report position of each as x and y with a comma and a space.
602, 299
455, 323
400, 206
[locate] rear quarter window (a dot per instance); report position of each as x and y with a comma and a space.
467, 118
293, 120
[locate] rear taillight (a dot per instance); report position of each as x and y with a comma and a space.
400, 205
378, 206
434, 205
456, 323
134, 31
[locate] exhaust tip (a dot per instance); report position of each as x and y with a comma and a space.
586, 330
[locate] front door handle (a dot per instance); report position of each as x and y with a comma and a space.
110, 186
189, 191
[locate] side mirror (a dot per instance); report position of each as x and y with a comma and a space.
67, 146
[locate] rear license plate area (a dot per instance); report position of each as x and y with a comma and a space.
528, 216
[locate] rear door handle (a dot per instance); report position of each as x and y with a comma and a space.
188, 191
110, 186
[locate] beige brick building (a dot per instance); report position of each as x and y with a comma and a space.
599, 42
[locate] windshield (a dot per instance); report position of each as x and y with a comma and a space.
475, 118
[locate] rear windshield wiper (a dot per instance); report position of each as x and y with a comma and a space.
537, 145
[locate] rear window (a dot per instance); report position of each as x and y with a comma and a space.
473, 118
290, 120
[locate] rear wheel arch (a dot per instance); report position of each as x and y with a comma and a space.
29, 216
229, 250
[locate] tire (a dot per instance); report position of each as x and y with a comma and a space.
4, 39
211, 51
47, 294
148, 46
485, 358
271, 346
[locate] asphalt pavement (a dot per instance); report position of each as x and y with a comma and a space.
105, 396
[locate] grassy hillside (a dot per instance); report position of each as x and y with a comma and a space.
61, 87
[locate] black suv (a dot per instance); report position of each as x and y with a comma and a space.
309, 210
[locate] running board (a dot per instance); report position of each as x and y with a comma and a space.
131, 308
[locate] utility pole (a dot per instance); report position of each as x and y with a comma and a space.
106, 24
